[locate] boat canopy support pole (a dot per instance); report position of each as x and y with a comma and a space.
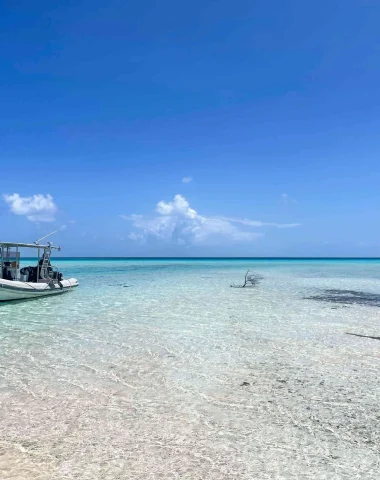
38, 265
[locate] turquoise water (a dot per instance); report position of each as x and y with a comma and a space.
157, 368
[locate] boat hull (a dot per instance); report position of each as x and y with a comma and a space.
14, 290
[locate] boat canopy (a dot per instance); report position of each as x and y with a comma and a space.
26, 245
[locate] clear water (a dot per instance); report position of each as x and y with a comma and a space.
159, 369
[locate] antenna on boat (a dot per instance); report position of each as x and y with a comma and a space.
48, 235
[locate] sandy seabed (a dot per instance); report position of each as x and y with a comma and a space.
209, 383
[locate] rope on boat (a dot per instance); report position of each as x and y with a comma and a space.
34, 288
48, 285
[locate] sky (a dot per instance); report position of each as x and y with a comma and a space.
203, 128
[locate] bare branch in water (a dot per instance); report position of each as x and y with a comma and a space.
250, 280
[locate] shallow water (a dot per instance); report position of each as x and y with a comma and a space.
158, 369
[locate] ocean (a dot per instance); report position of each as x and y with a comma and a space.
157, 368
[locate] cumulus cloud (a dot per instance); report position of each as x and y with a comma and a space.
38, 208
187, 179
179, 206
177, 222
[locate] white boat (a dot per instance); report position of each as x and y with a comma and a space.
34, 281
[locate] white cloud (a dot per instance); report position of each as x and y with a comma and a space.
38, 208
187, 179
62, 228
253, 223
177, 222
178, 206
137, 237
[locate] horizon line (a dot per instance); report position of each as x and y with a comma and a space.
217, 258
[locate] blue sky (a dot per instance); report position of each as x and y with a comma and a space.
271, 108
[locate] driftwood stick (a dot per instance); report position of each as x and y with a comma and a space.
250, 280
